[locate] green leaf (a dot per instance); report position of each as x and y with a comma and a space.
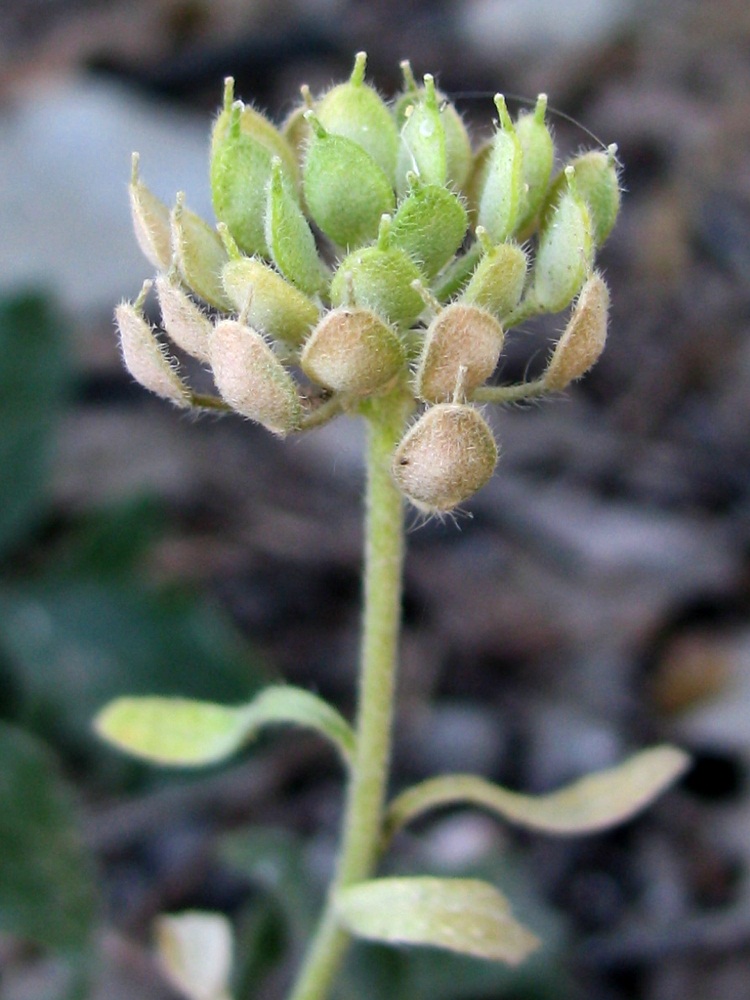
34, 375
47, 888
463, 915
595, 802
187, 733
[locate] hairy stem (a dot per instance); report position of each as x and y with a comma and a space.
363, 815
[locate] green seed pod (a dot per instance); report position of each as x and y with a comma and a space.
243, 143
185, 322
356, 110
422, 145
498, 280
458, 155
353, 350
430, 225
500, 198
583, 341
345, 190
295, 129
150, 221
599, 186
251, 378
199, 254
266, 301
445, 457
145, 357
461, 349
565, 250
538, 156
379, 278
290, 238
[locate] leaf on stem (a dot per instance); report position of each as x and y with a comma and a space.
592, 803
462, 915
185, 733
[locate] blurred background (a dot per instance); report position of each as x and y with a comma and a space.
594, 599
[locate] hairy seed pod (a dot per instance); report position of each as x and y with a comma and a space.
502, 186
243, 144
356, 111
461, 349
538, 154
584, 337
380, 279
290, 238
422, 143
145, 357
458, 155
345, 189
498, 280
352, 350
445, 457
251, 378
599, 186
430, 225
565, 250
185, 322
267, 301
199, 254
150, 221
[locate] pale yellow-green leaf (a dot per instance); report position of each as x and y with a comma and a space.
184, 733
595, 802
462, 915
195, 951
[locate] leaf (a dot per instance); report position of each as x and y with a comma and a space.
463, 915
195, 949
47, 888
187, 733
74, 643
34, 376
595, 802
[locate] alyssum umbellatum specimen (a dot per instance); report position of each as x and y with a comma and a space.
368, 260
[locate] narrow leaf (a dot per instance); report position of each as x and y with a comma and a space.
462, 915
595, 802
185, 733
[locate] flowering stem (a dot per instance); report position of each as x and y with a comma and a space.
363, 816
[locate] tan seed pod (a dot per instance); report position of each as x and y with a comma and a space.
445, 457
145, 357
251, 378
461, 350
584, 337
185, 322
150, 221
352, 350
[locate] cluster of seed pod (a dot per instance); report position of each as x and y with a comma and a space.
365, 248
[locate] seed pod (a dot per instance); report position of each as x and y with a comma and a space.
599, 186
422, 145
145, 357
583, 341
457, 143
352, 350
430, 225
538, 154
356, 110
187, 325
243, 143
345, 190
565, 250
290, 238
199, 255
251, 378
461, 349
498, 280
150, 221
379, 278
500, 198
267, 301
445, 457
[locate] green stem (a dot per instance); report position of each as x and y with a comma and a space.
363, 815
